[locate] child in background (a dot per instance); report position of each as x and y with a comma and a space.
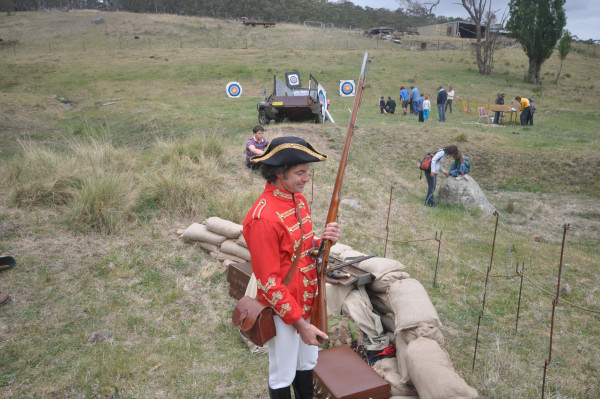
460, 167
382, 105
420, 101
426, 108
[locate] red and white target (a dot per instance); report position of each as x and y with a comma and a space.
293, 79
347, 88
233, 90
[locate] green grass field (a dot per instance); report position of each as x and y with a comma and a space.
146, 142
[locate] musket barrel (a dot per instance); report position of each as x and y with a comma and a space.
319, 311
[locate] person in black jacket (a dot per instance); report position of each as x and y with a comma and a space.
390, 106
441, 103
499, 101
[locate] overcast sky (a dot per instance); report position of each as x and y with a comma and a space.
583, 16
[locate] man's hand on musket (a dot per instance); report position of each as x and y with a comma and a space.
332, 232
309, 333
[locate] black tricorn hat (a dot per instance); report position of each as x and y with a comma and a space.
284, 151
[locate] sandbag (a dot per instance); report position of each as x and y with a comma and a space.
388, 369
401, 349
336, 293
432, 373
337, 249
242, 241
388, 322
385, 281
351, 254
426, 330
207, 246
358, 306
381, 302
380, 266
199, 232
226, 256
231, 247
411, 304
223, 227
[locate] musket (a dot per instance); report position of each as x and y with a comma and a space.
319, 311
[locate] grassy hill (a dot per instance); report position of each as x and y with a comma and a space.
115, 135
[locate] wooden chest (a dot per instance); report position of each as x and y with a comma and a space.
342, 374
238, 275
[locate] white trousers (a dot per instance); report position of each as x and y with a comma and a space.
287, 353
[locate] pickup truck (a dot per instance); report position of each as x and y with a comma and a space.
292, 103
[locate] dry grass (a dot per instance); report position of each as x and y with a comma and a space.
169, 153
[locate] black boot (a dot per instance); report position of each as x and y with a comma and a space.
280, 393
303, 384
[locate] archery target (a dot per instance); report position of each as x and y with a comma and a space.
233, 90
322, 95
293, 79
347, 88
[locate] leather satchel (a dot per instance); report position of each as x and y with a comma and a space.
254, 319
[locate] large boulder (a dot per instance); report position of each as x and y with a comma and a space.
465, 192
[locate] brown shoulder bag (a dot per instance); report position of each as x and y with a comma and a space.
254, 319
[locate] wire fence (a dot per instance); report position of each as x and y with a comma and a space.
536, 325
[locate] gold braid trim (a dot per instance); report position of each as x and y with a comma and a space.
257, 211
266, 288
308, 295
306, 309
306, 269
295, 146
276, 297
286, 214
284, 309
279, 193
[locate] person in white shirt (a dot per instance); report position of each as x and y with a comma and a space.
437, 167
449, 99
426, 108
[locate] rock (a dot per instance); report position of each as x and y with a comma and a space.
98, 21
464, 192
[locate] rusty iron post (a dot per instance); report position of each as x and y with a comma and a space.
554, 304
387, 223
519, 273
437, 261
487, 275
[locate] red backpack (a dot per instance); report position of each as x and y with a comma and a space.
425, 164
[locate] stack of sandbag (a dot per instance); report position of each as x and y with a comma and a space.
411, 306
432, 373
222, 238
355, 301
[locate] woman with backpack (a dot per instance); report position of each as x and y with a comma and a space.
435, 168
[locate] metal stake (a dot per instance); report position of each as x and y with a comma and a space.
519, 273
554, 303
487, 275
438, 257
387, 224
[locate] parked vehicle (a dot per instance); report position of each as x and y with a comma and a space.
292, 103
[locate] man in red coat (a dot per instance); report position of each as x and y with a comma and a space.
276, 225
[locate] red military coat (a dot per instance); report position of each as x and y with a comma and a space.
272, 233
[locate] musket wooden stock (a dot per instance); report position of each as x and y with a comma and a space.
319, 310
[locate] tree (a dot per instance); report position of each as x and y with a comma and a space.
564, 48
537, 26
486, 34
